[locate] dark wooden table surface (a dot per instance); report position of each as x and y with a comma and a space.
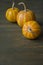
14, 48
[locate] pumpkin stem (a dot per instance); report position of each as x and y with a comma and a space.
23, 5
13, 5
29, 29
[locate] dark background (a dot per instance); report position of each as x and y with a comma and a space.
14, 48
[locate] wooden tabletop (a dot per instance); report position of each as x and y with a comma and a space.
15, 49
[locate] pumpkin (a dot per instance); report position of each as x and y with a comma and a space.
25, 15
31, 30
11, 13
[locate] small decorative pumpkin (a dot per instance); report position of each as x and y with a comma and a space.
25, 15
11, 13
31, 30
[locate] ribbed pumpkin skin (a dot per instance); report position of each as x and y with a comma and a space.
11, 14
24, 16
35, 30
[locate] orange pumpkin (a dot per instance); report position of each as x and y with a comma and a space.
31, 30
11, 13
25, 15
